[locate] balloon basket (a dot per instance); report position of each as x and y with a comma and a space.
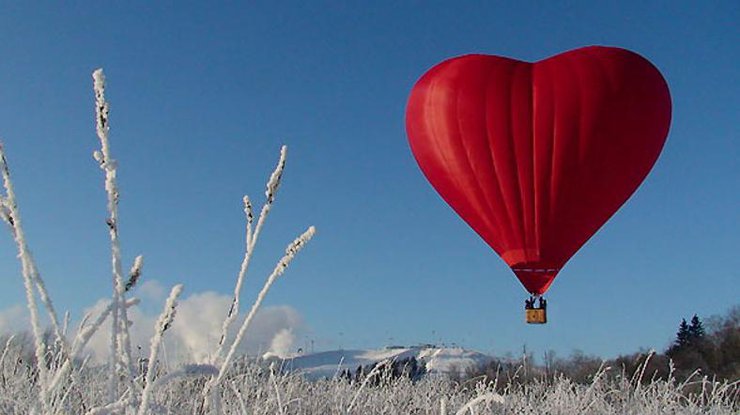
536, 315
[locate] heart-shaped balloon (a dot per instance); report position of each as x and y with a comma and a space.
535, 157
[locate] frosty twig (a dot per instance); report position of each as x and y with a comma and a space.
163, 323
273, 184
120, 344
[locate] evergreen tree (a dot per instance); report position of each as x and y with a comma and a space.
696, 330
683, 336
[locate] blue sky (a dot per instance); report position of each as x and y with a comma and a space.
203, 96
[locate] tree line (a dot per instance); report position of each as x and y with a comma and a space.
710, 348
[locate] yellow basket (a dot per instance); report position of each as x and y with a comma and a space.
536, 315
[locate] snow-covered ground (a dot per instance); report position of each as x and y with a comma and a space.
329, 363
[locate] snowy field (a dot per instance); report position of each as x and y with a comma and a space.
259, 387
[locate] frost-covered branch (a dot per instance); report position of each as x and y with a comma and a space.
290, 253
120, 343
84, 333
163, 323
11, 215
375, 372
234, 308
273, 184
134, 274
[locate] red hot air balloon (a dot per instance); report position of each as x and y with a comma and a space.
536, 157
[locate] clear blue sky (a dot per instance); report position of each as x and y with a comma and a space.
203, 96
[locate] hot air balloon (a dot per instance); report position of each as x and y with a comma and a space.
536, 157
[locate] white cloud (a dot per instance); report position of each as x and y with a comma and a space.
151, 290
198, 323
271, 322
196, 330
14, 319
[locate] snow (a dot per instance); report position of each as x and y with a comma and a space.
329, 363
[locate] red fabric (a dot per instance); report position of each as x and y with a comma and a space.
535, 157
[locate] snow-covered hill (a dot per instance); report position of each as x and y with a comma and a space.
329, 363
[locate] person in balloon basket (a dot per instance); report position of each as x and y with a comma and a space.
529, 303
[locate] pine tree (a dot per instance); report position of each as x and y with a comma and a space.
683, 337
696, 330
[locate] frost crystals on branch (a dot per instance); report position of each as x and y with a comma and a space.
210, 393
10, 213
273, 183
11, 216
120, 343
163, 323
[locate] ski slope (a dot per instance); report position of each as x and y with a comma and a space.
329, 363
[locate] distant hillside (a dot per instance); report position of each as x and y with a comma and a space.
329, 363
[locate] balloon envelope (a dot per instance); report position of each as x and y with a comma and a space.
536, 157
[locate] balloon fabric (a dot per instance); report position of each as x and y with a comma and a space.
536, 157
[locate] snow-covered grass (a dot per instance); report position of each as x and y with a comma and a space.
254, 388
47, 372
